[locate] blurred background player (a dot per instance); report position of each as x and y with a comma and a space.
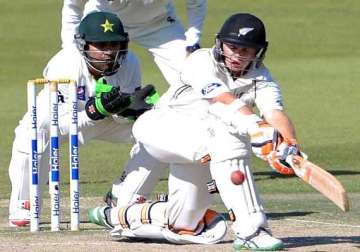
153, 24
209, 114
101, 58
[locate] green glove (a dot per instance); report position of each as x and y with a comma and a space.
108, 100
142, 100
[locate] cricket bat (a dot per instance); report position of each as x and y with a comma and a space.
321, 180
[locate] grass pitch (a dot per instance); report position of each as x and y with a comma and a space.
313, 53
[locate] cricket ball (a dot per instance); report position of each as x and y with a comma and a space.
237, 177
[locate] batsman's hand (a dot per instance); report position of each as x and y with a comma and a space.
108, 100
268, 144
142, 100
287, 148
277, 158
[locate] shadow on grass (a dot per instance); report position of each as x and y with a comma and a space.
269, 175
158, 241
287, 214
263, 175
344, 172
305, 241
277, 215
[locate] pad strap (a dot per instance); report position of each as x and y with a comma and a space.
145, 212
123, 217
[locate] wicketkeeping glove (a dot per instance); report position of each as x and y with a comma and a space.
142, 100
108, 100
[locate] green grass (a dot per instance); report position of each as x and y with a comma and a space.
313, 53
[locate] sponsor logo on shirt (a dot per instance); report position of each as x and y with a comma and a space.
81, 93
279, 103
210, 87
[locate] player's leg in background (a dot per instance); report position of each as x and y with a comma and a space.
166, 43
138, 179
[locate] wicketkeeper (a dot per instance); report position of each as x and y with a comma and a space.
208, 118
108, 89
152, 24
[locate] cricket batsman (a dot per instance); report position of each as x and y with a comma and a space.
108, 89
153, 24
203, 133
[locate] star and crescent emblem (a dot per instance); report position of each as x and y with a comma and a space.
107, 26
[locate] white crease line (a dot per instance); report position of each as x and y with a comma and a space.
48, 231
85, 243
324, 223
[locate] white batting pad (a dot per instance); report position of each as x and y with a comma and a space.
242, 199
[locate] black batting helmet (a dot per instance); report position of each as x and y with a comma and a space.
245, 30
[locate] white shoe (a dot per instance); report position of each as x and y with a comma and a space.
20, 217
260, 241
98, 216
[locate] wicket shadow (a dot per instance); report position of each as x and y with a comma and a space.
306, 241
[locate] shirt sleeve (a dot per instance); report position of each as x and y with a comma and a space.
268, 97
196, 11
72, 13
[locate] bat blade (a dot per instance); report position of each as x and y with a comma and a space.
322, 181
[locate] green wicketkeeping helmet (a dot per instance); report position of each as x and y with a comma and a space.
102, 27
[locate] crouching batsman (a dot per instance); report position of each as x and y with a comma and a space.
203, 135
